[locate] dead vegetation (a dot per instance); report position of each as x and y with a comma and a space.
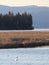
23, 39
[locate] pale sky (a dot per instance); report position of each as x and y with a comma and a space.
24, 2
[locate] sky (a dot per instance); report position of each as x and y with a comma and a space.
24, 2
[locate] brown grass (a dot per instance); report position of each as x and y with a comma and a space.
23, 37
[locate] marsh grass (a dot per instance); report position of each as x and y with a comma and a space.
23, 39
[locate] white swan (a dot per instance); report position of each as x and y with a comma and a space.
16, 58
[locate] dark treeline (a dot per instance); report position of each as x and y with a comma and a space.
16, 22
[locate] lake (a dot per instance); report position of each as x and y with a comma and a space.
38, 29
24, 56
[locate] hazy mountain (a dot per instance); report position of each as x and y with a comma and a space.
40, 14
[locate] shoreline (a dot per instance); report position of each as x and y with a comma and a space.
43, 47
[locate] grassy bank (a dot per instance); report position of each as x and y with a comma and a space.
23, 39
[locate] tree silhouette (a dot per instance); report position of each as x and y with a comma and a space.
16, 22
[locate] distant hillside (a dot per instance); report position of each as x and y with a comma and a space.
40, 14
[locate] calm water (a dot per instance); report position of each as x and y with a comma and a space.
28, 56
42, 30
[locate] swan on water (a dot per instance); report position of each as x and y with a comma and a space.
16, 58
